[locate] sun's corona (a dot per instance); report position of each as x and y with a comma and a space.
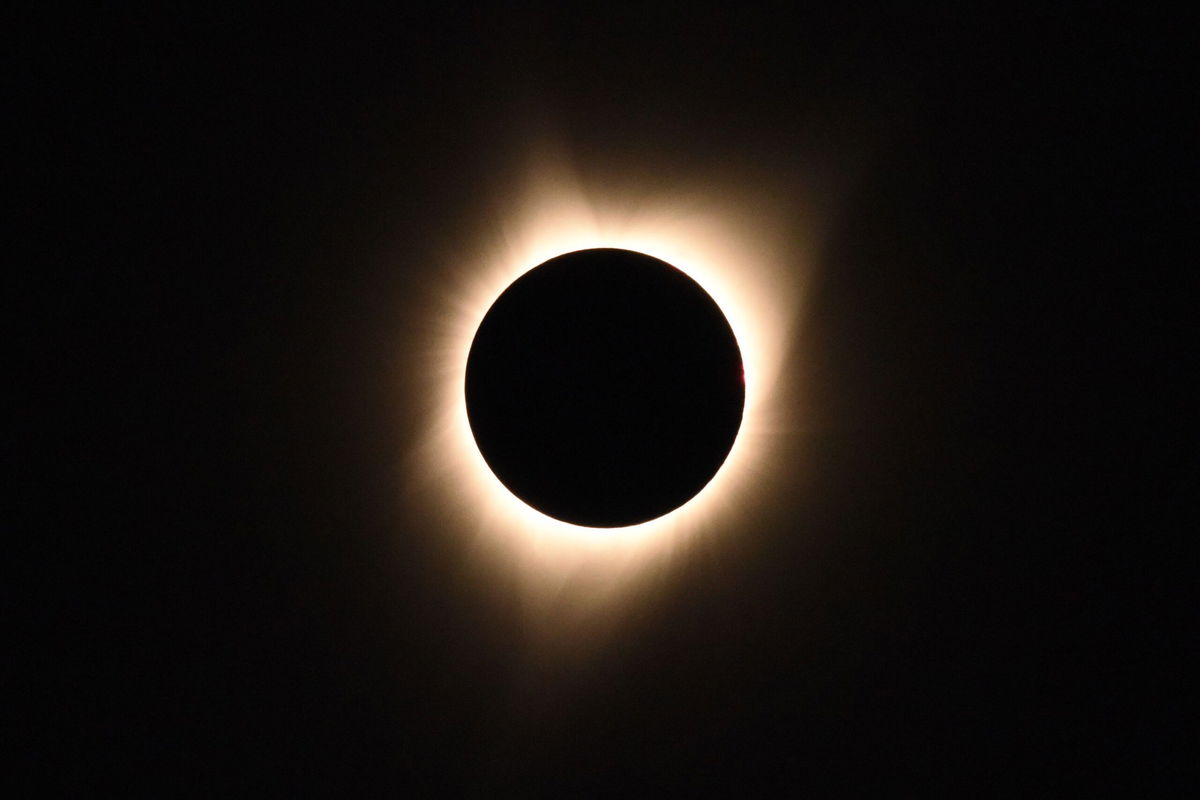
751, 270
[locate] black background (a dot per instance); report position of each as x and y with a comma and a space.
219, 592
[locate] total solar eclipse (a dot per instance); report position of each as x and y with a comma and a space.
604, 388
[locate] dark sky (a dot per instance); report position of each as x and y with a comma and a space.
225, 591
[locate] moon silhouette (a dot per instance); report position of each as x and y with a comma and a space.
604, 388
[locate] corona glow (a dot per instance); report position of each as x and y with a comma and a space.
740, 244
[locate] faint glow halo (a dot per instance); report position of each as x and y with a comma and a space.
727, 240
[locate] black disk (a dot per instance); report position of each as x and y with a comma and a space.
604, 388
